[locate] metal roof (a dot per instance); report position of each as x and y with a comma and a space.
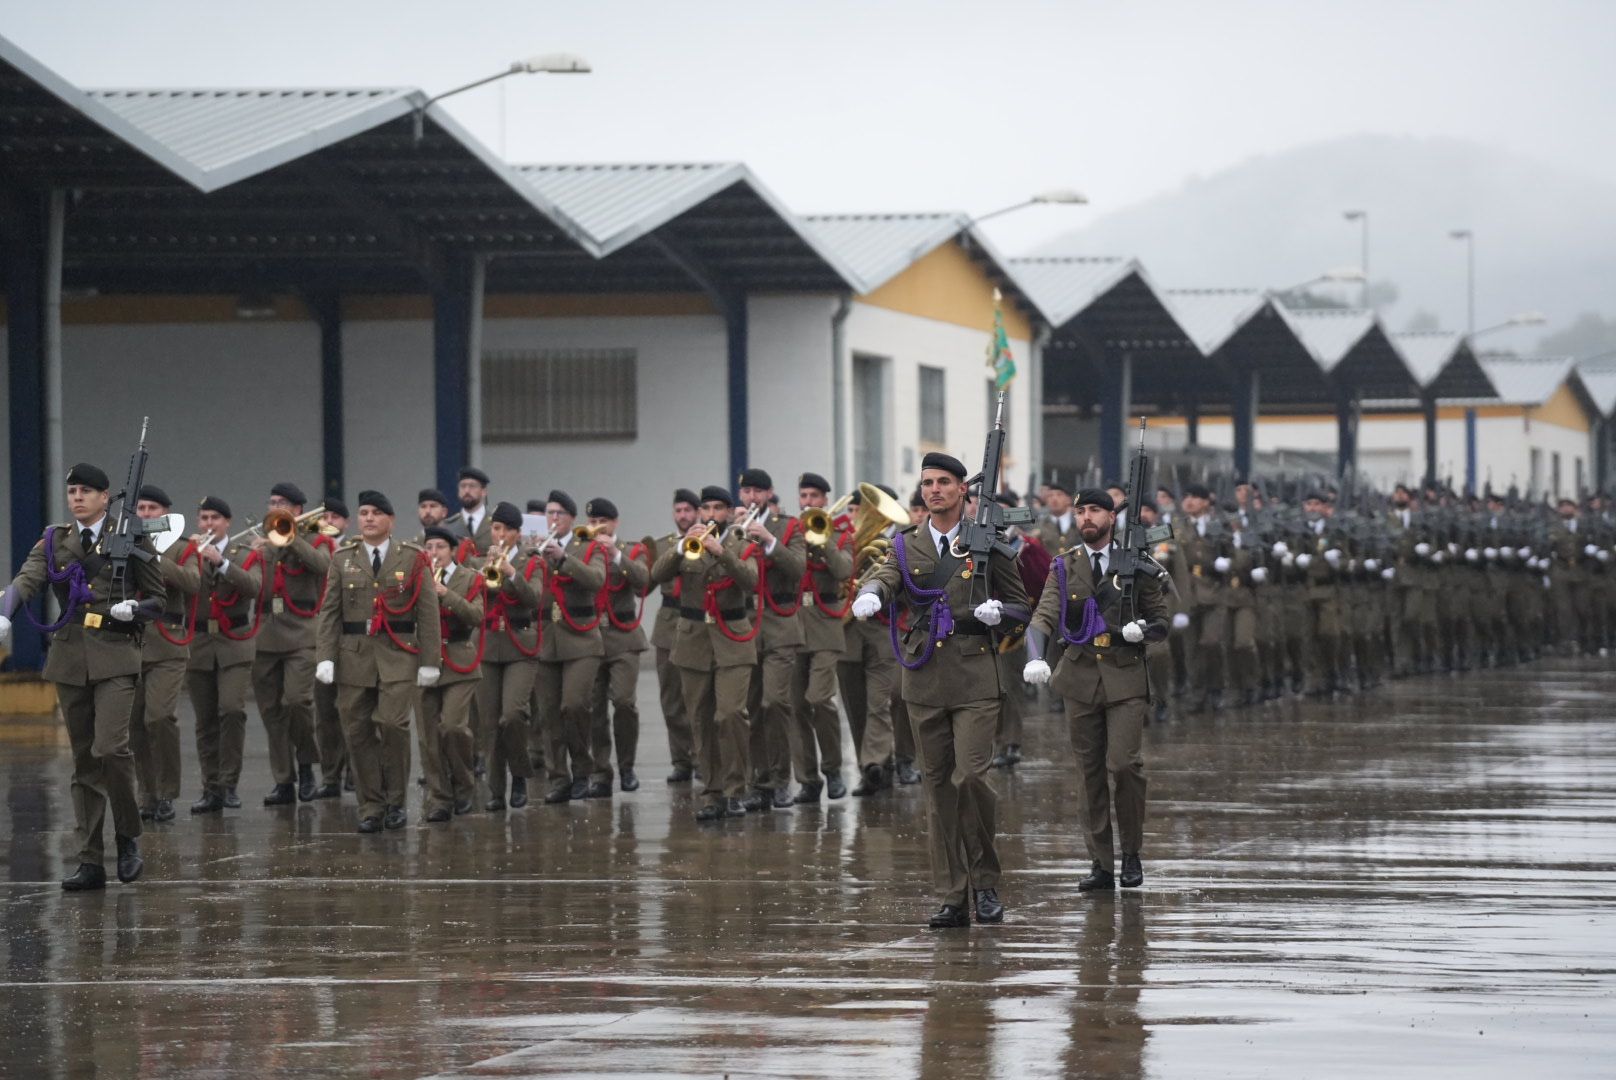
1443, 363
1331, 333
1601, 384
1212, 316
1064, 286
1527, 380
879, 247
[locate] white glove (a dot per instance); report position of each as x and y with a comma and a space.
427, 676
1489, 553
989, 613
1508, 553
866, 604
1471, 554
124, 611
325, 672
1422, 549
1352, 564
1453, 547
1388, 573
1281, 549
1134, 632
1546, 581
1221, 564
1604, 555
5, 629
1589, 549
1181, 620
1436, 557
1333, 557
1371, 565
1304, 560
1525, 552
1259, 574
1288, 561
1036, 673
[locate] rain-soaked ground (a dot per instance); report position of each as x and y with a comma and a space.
1417, 882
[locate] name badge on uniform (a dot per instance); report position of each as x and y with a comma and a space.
709, 620
807, 598
213, 626
277, 606
555, 612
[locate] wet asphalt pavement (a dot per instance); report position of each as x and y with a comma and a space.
1419, 881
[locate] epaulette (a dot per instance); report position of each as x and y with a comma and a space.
412, 545
910, 529
351, 544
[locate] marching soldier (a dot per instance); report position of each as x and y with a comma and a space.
777, 544
510, 661
868, 676
328, 737
1100, 675
154, 726
622, 606
445, 708
1199, 535
817, 727
1318, 564
714, 648
283, 667
219, 670
570, 652
681, 748
378, 639
431, 508
94, 661
471, 521
951, 686
1058, 531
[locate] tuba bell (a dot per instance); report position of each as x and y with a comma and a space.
877, 511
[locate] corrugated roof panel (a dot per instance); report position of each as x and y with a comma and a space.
1330, 333
1601, 384
1427, 352
878, 247
1062, 286
1210, 317
618, 204
1527, 380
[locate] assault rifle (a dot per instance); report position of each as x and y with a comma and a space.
980, 536
123, 539
1133, 546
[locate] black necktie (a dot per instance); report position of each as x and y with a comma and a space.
87, 540
1099, 569
375, 562
942, 546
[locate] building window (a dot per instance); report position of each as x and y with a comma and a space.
1582, 479
869, 419
537, 395
1554, 473
1534, 486
933, 406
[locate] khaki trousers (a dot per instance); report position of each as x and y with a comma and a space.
564, 689
717, 699
283, 685
769, 705
615, 694
154, 729
1107, 738
97, 718
681, 749
219, 697
868, 685
1010, 702
376, 721
504, 697
328, 735
446, 743
816, 728
955, 745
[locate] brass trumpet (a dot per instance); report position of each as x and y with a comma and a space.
281, 526
253, 526
494, 566
586, 532
740, 525
817, 521
691, 544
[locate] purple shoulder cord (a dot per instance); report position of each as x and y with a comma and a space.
78, 590
939, 618
1093, 621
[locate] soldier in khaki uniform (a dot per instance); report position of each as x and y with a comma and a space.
283, 667
622, 605
445, 709
775, 541
681, 745
219, 670
1058, 531
154, 725
335, 775
951, 686
94, 661
431, 508
473, 520
1101, 676
510, 662
817, 726
868, 674
570, 652
377, 639
1200, 535
715, 649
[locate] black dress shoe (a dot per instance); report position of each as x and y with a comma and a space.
280, 795
164, 811
628, 781
1133, 874
211, 802
1001, 760
329, 790
710, 812
370, 825
988, 907
347, 780
232, 801
463, 805
579, 789
834, 788
808, 793
87, 877
907, 773
1099, 878
1014, 753
395, 819
518, 792
598, 789
755, 800
734, 808
782, 798
873, 780
438, 815
1161, 712
148, 812
559, 794
305, 783
680, 775
948, 916
496, 804
130, 864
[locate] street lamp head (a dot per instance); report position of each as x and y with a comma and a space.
1343, 275
552, 64
1459, 234
1528, 318
1354, 215
1061, 196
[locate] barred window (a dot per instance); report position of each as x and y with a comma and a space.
533, 395
933, 430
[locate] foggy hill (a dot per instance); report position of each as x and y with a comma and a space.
1545, 239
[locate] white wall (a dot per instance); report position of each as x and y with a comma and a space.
907, 342
791, 429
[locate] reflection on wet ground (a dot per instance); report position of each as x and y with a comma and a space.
1417, 882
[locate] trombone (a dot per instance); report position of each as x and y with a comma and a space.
280, 527
817, 521
253, 526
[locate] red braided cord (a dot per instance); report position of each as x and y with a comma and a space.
190, 616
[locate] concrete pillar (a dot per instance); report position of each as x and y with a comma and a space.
452, 333
327, 311
1346, 436
1116, 400
1245, 412
25, 246
1192, 422
735, 330
1428, 408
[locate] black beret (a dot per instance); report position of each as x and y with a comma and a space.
1007, 498
601, 508
888, 489
471, 472
936, 459
336, 506
714, 493
1115, 485
288, 491
757, 478
916, 502
376, 499
438, 532
1199, 491
685, 495
431, 495
565, 500
1316, 496
216, 504
1060, 486
89, 476
507, 515
153, 493
1242, 481
815, 481
535, 506
1096, 497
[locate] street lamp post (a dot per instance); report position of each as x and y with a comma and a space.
545, 64
1362, 217
1470, 277
1525, 318
1052, 197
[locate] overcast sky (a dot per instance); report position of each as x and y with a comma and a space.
909, 105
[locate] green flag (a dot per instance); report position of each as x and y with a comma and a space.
999, 358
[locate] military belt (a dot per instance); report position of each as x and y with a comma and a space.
106, 623
700, 615
364, 627
213, 626
972, 628
458, 636
514, 622
785, 598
